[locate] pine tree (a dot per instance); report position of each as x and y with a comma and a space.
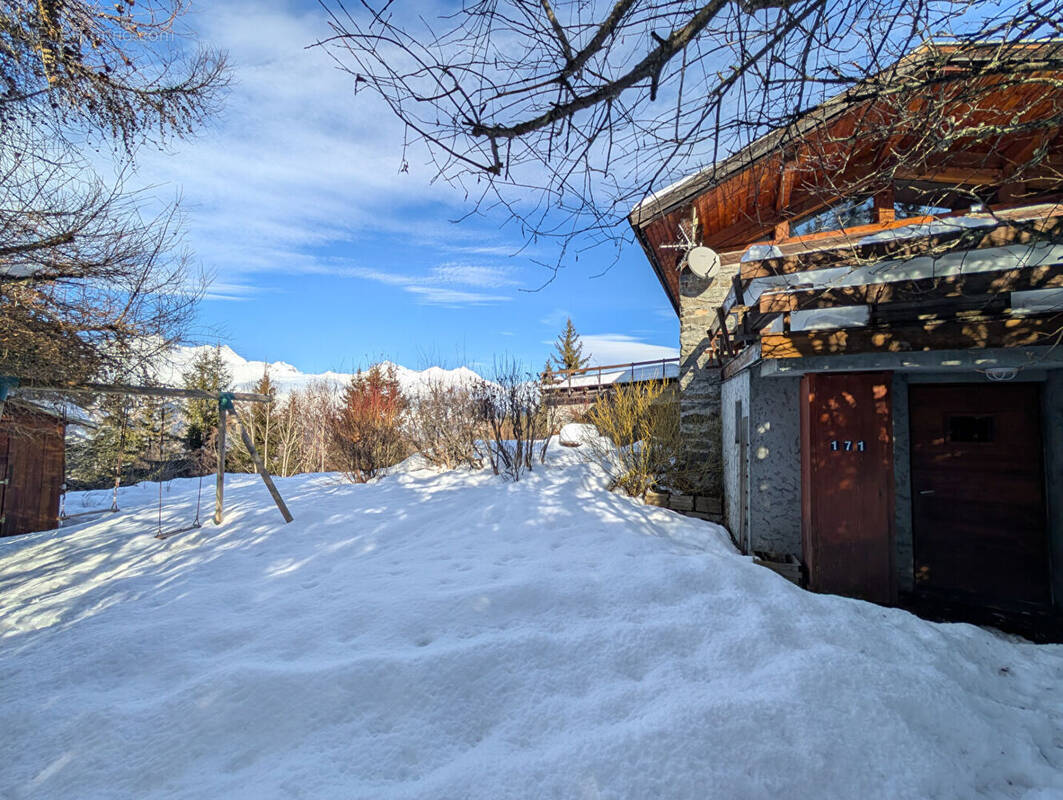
118, 443
569, 349
209, 372
261, 427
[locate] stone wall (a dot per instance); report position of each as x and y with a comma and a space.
699, 382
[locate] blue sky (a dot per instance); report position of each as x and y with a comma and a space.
324, 255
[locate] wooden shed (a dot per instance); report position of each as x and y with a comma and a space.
32, 467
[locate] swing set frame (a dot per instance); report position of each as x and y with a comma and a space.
226, 405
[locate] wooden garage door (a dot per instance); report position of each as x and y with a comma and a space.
847, 484
978, 506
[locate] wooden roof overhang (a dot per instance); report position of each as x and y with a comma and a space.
854, 145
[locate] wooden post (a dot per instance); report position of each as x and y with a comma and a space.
225, 402
250, 445
724, 334
884, 213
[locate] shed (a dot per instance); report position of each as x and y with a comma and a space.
32, 466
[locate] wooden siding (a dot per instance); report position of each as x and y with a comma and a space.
32, 464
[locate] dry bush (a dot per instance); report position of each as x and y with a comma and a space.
444, 425
318, 404
367, 427
640, 446
517, 423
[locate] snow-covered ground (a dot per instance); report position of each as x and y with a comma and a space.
451, 635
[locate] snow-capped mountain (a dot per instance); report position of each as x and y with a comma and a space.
288, 378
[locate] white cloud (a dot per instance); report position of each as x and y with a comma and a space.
474, 275
619, 348
295, 164
434, 287
556, 318
435, 295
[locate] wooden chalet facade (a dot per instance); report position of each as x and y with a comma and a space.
32, 464
873, 377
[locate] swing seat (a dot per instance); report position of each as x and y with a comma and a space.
175, 531
94, 512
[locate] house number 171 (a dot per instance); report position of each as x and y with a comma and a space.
848, 445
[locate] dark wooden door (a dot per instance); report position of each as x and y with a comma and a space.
978, 506
847, 484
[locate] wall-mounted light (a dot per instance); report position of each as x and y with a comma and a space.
998, 374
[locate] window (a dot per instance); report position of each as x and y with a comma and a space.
847, 214
968, 428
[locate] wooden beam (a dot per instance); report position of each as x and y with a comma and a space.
739, 290
952, 334
924, 311
952, 176
740, 362
721, 317
786, 185
1049, 276
848, 249
266, 479
884, 212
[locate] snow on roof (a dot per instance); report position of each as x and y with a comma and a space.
601, 376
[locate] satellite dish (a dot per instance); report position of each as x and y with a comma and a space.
703, 262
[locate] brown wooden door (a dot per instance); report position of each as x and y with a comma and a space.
978, 506
847, 484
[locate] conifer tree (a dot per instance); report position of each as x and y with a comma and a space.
569, 349
119, 444
209, 372
262, 427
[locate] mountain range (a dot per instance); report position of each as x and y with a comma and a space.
288, 378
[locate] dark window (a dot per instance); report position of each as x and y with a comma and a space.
847, 214
969, 428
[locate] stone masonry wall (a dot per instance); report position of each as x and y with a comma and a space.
699, 383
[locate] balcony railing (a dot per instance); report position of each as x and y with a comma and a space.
602, 377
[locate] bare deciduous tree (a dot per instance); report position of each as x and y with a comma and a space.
568, 112
92, 280
444, 425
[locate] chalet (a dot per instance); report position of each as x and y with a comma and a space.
572, 392
871, 365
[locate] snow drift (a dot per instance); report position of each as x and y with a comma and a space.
450, 635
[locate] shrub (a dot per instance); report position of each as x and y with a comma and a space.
444, 425
640, 445
366, 428
517, 423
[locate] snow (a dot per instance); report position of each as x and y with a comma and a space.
446, 635
288, 378
759, 252
664, 369
574, 434
937, 227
